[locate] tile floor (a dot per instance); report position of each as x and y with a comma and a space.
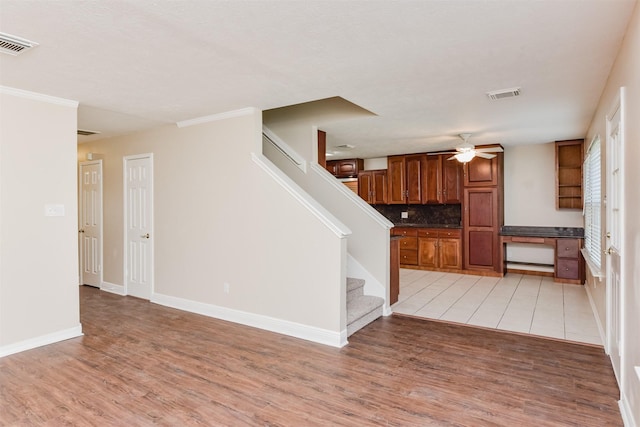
521, 303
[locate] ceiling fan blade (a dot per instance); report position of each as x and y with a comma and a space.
485, 155
490, 150
442, 152
451, 158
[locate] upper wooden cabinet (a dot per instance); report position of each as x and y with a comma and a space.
569, 157
346, 168
404, 179
441, 180
481, 172
372, 186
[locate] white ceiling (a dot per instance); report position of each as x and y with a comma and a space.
422, 67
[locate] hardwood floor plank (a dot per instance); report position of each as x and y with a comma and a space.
141, 364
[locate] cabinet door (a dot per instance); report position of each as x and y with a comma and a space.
450, 253
481, 172
428, 251
395, 180
481, 228
451, 188
379, 187
414, 166
432, 180
365, 187
331, 166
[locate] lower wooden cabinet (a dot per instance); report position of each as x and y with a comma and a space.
569, 265
438, 248
430, 248
408, 244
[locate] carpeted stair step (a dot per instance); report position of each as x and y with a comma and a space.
361, 311
355, 288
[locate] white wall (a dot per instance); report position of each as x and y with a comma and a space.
38, 254
369, 242
529, 188
220, 218
625, 72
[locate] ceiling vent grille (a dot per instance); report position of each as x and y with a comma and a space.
13, 45
504, 93
345, 147
84, 132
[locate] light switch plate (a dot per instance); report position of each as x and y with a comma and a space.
404, 215
53, 209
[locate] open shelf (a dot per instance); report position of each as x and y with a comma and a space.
569, 157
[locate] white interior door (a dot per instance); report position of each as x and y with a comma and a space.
90, 229
138, 203
615, 236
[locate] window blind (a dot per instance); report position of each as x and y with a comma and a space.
593, 205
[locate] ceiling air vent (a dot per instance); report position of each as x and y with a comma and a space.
14, 45
84, 132
345, 147
504, 93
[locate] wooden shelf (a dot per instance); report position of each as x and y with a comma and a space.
569, 157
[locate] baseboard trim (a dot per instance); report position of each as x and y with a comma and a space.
285, 327
625, 412
113, 288
47, 339
598, 323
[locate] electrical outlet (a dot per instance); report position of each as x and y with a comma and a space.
404, 215
226, 287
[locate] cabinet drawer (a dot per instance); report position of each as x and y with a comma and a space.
409, 243
427, 232
568, 268
409, 256
400, 231
449, 234
567, 248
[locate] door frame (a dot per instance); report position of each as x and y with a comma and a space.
618, 107
80, 218
125, 271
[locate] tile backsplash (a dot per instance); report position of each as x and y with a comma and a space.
422, 214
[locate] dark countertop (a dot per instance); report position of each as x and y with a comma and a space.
414, 225
557, 232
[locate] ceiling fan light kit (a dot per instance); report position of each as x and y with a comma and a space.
465, 156
466, 151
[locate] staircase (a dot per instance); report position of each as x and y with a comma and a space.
361, 309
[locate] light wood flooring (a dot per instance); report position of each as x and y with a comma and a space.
519, 303
142, 364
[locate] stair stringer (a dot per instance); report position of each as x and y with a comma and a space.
371, 285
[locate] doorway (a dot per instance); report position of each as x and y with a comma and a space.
90, 218
614, 235
138, 210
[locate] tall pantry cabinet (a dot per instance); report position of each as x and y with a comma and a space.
483, 215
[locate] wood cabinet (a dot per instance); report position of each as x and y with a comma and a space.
441, 180
372, 186
404, 179
483, 214
408, 245
569, 265
569, 157
481, 172
346, 168
481, 229
439, 248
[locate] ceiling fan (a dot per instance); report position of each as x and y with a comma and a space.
467, 151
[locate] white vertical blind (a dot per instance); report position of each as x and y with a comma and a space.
593, 204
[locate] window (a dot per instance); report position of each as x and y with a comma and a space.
592, 207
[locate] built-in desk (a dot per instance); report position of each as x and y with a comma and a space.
565, 241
